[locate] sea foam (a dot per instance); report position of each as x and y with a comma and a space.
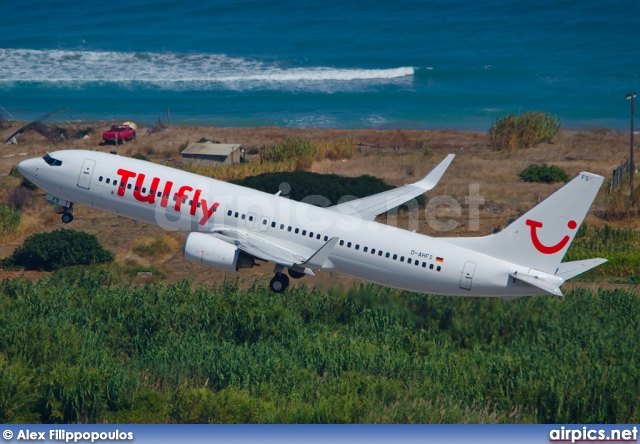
181, 71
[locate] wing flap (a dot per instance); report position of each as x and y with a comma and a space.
537, 282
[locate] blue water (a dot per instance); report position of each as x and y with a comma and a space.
351, 64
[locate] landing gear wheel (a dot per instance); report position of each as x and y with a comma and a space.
67, 217
295, 274
279, 283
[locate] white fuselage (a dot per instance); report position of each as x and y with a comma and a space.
178, 200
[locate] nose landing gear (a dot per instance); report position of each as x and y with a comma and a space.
67, 216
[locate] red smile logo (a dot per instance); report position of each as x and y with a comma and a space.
543, 248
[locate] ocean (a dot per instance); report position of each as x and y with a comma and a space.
442, 64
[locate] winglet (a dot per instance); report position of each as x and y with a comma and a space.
431, 180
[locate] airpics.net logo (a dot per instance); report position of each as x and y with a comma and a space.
587, 434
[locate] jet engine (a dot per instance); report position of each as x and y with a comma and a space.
207, 250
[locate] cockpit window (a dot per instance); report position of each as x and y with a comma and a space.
51, 161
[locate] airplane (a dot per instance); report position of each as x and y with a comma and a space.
230, 227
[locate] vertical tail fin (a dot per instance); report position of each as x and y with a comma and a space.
540, 238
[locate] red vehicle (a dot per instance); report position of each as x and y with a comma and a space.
124, 131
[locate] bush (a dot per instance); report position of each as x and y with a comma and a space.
303, 184
543, 173
9, 220
524, 131
299, 149
140, 156
60, 248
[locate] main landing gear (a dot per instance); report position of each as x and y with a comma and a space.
280, 281
67, 216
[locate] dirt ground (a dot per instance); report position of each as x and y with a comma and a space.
396, 156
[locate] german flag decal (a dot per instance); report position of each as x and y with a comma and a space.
439, 259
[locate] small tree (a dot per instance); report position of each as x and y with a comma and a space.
60, 248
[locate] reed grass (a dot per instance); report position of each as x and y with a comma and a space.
87, 347
524, 131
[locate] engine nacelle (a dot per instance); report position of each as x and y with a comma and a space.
207, 250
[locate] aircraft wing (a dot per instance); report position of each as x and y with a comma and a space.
371, 206
302, 259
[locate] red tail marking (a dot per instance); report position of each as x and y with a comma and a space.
540, 246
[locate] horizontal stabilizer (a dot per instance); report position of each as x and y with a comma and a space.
567, 270
537, 282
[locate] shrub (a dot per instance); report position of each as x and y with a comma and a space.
18, 197
543, 173
524, 131
9, 220
60, 248
299, 149
330, 187
140, 156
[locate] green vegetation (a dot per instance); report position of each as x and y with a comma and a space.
205, 140
60, 248
157, 246
301, 150
621, 246
524, 131
9, 220
303, 184
543, 173
82, 347
140, 156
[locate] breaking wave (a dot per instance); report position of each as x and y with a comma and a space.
184, 71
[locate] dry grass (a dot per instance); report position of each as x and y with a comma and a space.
598, 151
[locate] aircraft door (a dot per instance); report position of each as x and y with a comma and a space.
251, 219
84, 180
467, 275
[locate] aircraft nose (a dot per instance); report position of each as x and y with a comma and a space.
28, 167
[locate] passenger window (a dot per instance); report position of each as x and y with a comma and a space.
190, 202
304, 232
401, 258
379, 252
243, 216
108, 181
137, 188
129, 187
430, 266
341, 242
289, 228
198, 205
438, 268
236, 215
175, 196
357, 246
395, 256
326, 238
297, 230
373, 251
387, 255
424, 265
159, 192
229, 213
416, 263
311, 234
408, 261
282, 226
100, 180
348, 244
115, 183
250, 218
264, 221
365, 249
318, 237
